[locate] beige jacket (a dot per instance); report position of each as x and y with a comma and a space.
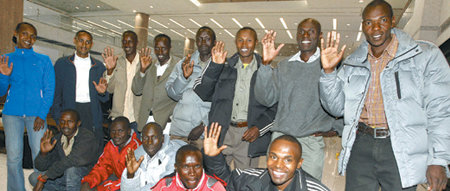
117, 85
154, 95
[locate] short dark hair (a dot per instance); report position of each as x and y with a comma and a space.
74, 112
288, 138
184, 149
163, 36
207, 28
157, 126
132, 34
376, 3
81, 31
314, 22
248, 28
121, 119
14, 39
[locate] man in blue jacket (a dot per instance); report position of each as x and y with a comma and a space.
79, 85
394, 95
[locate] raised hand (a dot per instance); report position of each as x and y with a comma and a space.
146, 59
46, 142
329, 54
38, 124
132, 164
218, 54
269, 50
187, 68
196, 132
211, 139
251, 134
110, 59
101, 86
4, 68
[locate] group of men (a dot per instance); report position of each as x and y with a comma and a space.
389, 100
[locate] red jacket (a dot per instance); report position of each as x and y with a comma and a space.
173, 183
111, 161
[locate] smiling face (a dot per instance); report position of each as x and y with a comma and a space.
26, 36
129, 43
283, 159
162, 50
308, 36
377, 25
120, 133
245, 44
189, 167
68, 124
83, 44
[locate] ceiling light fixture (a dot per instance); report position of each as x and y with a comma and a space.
260, 23
334, 24
116, 32
284, 24
157, 31
214, 21
361, 1
237, 22
289, 34
360, 27
97, 24
195, 23
82, 24
228, 32
159, 24
111, 24
191, 31
196, 3
77, 8
177, 23
359, 36
151, 7
177, 33
126, 24
98, 6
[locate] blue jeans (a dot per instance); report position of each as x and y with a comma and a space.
71, 180
14, 129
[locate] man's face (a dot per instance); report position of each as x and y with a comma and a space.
308, 36
120, 133
245, 43
68, 124
83, 44
129, 44
162, 50
190, 169
376, 26
204, 41
26, 36
152, 140
283, 159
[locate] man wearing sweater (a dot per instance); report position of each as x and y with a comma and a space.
294, 85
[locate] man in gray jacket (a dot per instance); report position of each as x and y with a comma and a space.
394, 94
191, 112
294, 85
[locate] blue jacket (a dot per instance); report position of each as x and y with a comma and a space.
66, 87
32, 84
416, 94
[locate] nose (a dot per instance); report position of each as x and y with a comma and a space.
191, 171
305, 34
376, 26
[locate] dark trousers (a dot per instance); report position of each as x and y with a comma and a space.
70, 181
372, 165
87, 121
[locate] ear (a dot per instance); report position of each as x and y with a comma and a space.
78, 123
394, 22
300, 162
74, 40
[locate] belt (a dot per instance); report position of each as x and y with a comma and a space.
376, 132
239, 124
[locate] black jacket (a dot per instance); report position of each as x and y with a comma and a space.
65, 90
258, 179
85, 153
217, 85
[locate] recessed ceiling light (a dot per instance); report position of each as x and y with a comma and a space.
160, 24
177, 33
361, 1
220, 33
260, 23
157, 31
87, 7
284, 23
228, 32
98, 6
151, 7
195, 23
134, 11
346, 36
237, 22
359, 36
334, 24
191, 31
215, 22
77, 8
151, 34
289, 34
196, 3
125, 23
348, 24
111, 24
177, 23
360, 27
249, 23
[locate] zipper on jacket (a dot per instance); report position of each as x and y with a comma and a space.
397, 83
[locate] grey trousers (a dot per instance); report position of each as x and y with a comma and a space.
237, 149
313, 154
372, 165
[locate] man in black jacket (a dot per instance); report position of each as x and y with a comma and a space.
284, 161
65, 158
230, 89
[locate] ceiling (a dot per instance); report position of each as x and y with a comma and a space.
180, 19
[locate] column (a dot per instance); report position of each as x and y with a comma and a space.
11, 14
189, 45
141, 29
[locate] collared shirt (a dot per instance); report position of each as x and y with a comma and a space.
242, 90
313, 58
82, 67
373, 111
160, 69
128, 109
68, 144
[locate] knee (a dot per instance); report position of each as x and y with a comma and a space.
33, 178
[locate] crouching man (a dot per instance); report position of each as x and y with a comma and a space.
284, 161
151, 161
189, 173
65, 158
107, 172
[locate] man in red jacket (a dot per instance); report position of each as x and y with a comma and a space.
105, 175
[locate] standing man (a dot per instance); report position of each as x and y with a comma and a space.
150, 80
191, 113
294, 85
230, 89
119, 75
394, 94
79, 85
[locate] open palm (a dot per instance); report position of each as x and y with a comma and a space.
329, 54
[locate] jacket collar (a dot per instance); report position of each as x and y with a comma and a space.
405, 45
233, 60
24, 50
